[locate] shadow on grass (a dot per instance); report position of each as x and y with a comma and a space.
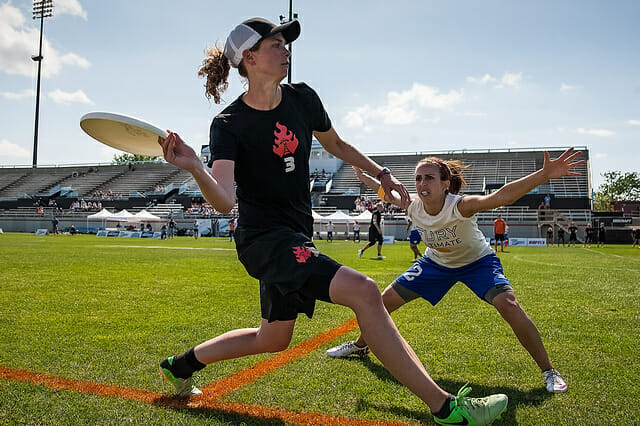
517, 397
220, 413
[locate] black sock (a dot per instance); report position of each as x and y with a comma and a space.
445, 410
185, 364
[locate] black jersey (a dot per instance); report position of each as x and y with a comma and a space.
376, 218
271, 152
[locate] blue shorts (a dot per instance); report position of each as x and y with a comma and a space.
431, 281
414, 237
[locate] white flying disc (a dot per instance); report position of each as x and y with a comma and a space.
123, 132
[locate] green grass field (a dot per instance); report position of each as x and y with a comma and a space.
107, 310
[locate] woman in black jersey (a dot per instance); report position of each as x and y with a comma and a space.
375, 231
262, 141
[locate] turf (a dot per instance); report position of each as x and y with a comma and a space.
107, 310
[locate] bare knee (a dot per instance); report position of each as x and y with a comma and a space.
366, 293
274, 336
273, 343
508, 306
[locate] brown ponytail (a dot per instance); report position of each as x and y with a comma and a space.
215, 68
450, 170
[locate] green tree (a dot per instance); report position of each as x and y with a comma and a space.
125, 157
617, 186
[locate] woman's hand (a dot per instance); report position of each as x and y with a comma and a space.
178, 153
562, 165
390, 183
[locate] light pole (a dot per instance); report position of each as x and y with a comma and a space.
292, 16
41, 9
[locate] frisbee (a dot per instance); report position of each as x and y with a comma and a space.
123, 132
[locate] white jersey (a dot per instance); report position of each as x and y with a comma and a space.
452, 240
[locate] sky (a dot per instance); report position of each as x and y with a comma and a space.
408, 76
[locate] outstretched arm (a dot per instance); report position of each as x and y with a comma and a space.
374, 185
511, 192
350, 154
217, 186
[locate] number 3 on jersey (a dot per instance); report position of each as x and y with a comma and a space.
413, 273
289, 164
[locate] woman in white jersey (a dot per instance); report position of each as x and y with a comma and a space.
457, 249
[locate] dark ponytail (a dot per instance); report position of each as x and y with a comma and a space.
215, 68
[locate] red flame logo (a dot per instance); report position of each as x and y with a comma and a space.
285, 142
302, 254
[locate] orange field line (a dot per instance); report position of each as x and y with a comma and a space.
209, 400
250, 374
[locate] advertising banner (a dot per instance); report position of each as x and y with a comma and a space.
536, 242
517, 242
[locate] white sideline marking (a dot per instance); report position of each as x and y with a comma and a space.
564, 266
168, 248
607, 254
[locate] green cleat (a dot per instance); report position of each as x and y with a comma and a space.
474, 411
184, 387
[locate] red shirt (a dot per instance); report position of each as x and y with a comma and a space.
499, 226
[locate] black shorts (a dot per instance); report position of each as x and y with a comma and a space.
498, 237
293, 274
374, 235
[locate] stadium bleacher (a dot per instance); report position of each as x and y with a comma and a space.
167, 191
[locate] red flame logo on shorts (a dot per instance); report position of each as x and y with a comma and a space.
285, 141
302, 254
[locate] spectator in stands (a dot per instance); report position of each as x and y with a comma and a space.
550, 236
457, 249
414, 239
602, 232
330, 228
573, 234
275, 221
560, 236
499, 230
589, 235
375, 231
547, 201
356, 231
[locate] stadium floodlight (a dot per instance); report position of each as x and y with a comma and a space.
41, 9
283, 20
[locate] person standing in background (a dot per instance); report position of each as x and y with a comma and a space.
573, 234
499, 229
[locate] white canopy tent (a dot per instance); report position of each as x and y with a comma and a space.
363, 217
121, 216
338, 217
144, 216
102, 215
